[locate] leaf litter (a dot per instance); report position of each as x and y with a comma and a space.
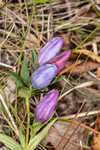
72, 20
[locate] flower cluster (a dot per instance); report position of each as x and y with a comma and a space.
50, 63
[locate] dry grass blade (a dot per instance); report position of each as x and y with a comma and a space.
27, 25
82, 114
87, 127
9, 114
86, 84
89, 54
7, 36
7, 66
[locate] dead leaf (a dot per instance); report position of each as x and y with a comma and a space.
83, 10
57, 131
90, 13
96, 143
96, 139
66, 38
85, 67
98, 73
77, 68
67, 69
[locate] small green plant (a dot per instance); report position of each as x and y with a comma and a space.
43, 72
27, 140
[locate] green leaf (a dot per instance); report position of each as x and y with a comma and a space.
24, 92
22, 139
24, 72
34, 59
10, 142
37, 139
17, 79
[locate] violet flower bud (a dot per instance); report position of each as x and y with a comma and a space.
50, 50
60, 60
46, 106
42, 77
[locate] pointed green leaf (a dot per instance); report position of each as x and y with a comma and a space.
34, 59
22, 139
17, 79
37, 139
24, 72
10, 142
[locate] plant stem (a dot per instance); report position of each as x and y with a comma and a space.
28, 122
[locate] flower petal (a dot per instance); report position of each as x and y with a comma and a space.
46, 106
50, 50
42, 77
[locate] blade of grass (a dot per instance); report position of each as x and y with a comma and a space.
97, 27
9, 114
27, 32
37, 139
10, 142
28, 122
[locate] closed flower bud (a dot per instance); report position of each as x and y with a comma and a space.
46, 106
60, 60
50, 50
42, 77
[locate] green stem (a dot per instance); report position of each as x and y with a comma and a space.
28, 122
89, 35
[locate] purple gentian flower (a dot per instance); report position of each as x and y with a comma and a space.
42, 77
50, 50
60, 60
46, 106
